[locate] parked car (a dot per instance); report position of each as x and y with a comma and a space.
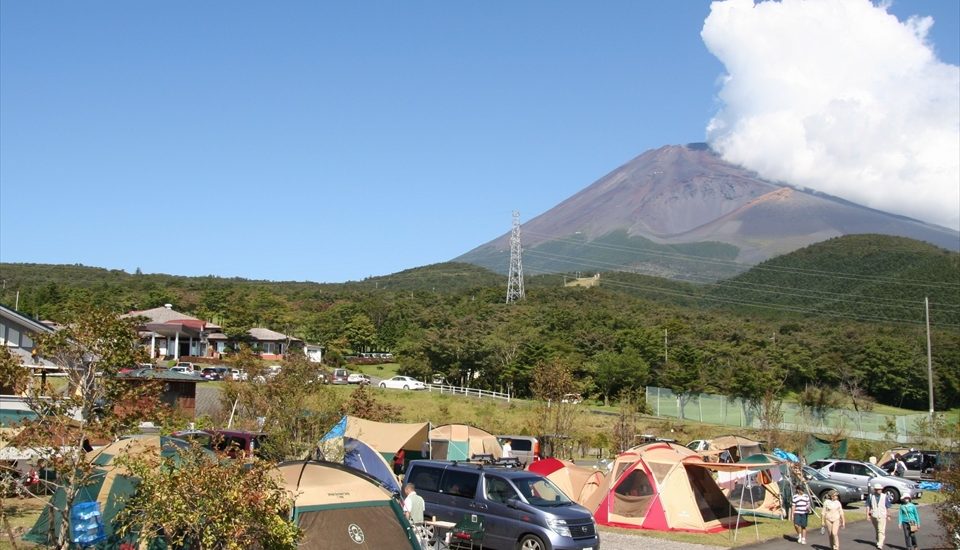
273, 370
572, 398
238, 375
821, 485
865, 475
519, 509
214, 373
698, 445
187, 365
233, 443
403, 382
524, 448
923, 464
358, 378
182, 369
340, 377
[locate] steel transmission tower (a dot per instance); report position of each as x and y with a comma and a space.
515, 278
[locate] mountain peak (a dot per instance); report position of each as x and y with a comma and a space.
684, 198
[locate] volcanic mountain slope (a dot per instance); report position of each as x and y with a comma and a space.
683, 212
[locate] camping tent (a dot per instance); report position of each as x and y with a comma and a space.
757, 489
739, 447
360, 456
383, 437
111, 483
460, 442
338, 507
818, 449
661, 486
579, 483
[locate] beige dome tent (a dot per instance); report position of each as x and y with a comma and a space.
461, 442
739, 447
339, 507
384, 437
579, 483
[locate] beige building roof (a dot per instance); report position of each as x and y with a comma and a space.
265, 334
164, 314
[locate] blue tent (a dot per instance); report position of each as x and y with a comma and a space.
357, 455
360, 456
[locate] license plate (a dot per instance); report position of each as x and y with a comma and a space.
588, 548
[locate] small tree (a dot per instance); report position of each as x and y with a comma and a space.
948, 510
294, 407
195, 500
93, 345
363, 404
556, 419
625, 427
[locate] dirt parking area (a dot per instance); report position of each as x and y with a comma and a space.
612, 540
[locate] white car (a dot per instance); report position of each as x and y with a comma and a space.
238, 375
358, 378
403, 383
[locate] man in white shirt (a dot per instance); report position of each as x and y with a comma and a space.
507, 449
878, 509
413, 504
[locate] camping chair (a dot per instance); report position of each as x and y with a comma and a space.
468, 533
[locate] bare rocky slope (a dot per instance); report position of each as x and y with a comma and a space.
683, 212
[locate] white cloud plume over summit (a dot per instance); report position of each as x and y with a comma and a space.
842, 97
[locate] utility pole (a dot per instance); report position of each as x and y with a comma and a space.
666, 359
515, 276
926, 306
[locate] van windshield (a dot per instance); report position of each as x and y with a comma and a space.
540, 491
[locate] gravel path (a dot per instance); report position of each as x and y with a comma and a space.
611, 540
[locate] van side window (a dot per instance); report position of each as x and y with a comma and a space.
425, 478
521, 444
498, 490
462, 484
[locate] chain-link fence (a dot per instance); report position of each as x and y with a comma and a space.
727, 411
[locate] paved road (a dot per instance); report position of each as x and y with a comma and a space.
859, 535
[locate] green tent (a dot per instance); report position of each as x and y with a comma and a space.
818, 449
109, 486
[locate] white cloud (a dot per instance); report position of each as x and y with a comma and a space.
842, 97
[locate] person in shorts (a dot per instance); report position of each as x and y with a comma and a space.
799, 511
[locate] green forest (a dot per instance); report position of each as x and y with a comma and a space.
844, 316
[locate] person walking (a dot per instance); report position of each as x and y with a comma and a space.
799, 511
507, 449
878, 509
833, 519
909, 522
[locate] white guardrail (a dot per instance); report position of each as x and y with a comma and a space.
470, 392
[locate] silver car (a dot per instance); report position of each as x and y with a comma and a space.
866, 475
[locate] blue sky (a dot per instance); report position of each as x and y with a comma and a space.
332, 141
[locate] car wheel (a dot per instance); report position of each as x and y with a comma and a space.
531, 542
382, 385
406, 387
893, 494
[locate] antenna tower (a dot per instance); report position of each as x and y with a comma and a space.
515, 278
